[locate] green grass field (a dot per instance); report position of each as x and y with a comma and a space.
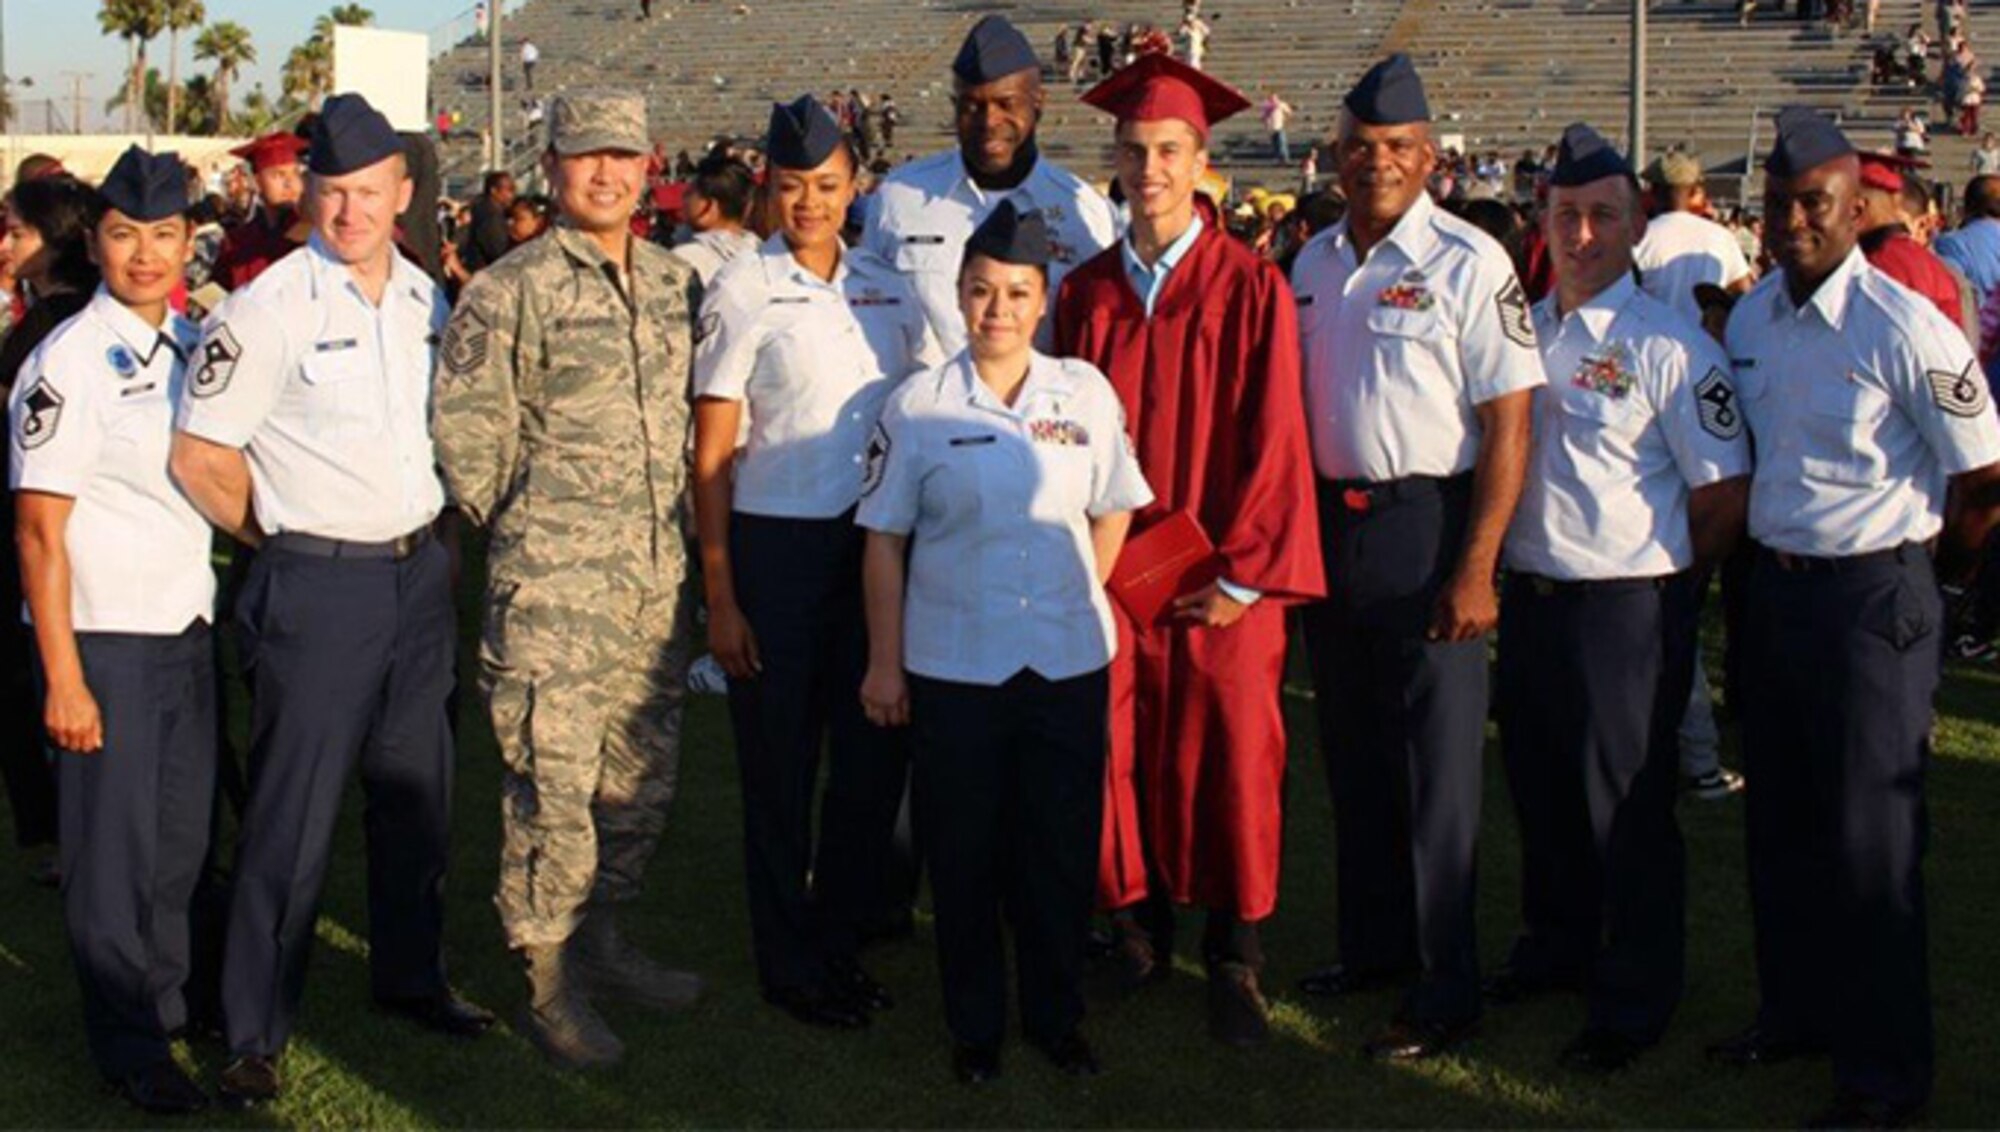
734, 1062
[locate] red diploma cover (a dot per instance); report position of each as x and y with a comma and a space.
1170, 559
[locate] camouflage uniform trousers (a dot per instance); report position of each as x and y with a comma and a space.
586, 699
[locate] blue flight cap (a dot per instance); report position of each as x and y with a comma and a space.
146, 186
1011, 236
1807, 139
993, 49
350, 135
801, 134
1584, 156
1390, 94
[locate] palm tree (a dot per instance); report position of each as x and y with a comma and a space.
137, 22
308, 74
227, 45
178, 15
351, 15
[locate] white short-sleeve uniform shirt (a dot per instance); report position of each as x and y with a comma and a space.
1639, 411
328, 394
93, 420
1863, 402
1680, 250
997, 503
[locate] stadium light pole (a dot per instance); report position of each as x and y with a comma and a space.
496, 157
1635, 125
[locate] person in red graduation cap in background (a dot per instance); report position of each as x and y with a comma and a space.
1886, 239
275, 229
1200, 339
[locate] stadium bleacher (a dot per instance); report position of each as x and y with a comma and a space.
1503, 74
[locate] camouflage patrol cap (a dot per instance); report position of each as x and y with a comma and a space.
594, 121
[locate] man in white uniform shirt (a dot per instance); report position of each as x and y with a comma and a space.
1873, 425
305, 430
925, 210
1682, 247
1640, 470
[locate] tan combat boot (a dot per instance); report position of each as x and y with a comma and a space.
611, 964
559, 1019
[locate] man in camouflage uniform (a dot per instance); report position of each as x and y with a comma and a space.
562, 422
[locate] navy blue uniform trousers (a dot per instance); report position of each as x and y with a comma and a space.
133, 820
798, 582
1592, 678
349, 661
1842, 664
1009, 795
1402, 725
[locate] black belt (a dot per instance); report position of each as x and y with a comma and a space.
1545, 586
394, 550
1362, 496
1810, 564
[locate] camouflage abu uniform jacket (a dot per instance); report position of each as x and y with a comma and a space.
562, 414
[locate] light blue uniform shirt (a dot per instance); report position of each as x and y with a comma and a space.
1148, 282
1863, 403
1638, 412
997, 501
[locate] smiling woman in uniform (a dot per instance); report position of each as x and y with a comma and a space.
1004, 480
114, 563
797, 346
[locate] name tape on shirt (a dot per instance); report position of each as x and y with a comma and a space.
874, 298
220, 351
1716, 399
1515, 322
1961, 394
44, 413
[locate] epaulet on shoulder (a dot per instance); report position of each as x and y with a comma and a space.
910, 172
738, 276
1465, 234
64, 336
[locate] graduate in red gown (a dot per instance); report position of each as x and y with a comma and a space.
1887, 243
1200, 338
274, 230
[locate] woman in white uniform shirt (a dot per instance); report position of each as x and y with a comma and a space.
797, 346
1005, 481
114, 563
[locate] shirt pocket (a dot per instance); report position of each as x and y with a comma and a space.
1409, 351
343, 396
1596, 427
140, 415
1842, 420
916, 257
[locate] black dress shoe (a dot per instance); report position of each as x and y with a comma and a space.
975, 1064
816, 1007
445, 1013
1415, 1041
1600, 1052
1852, 1110
850, 980
1756, 1046
1071, 1055
1509, 985
1237, 1013
248, 1080
163, 1090
1336, 979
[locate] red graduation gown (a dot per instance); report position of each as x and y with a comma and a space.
253, 246
1213, 399
1894, 252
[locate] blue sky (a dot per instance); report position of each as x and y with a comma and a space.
46, 38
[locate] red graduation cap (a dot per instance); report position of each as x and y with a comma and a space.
271, 150
1884, 171
1159, 87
